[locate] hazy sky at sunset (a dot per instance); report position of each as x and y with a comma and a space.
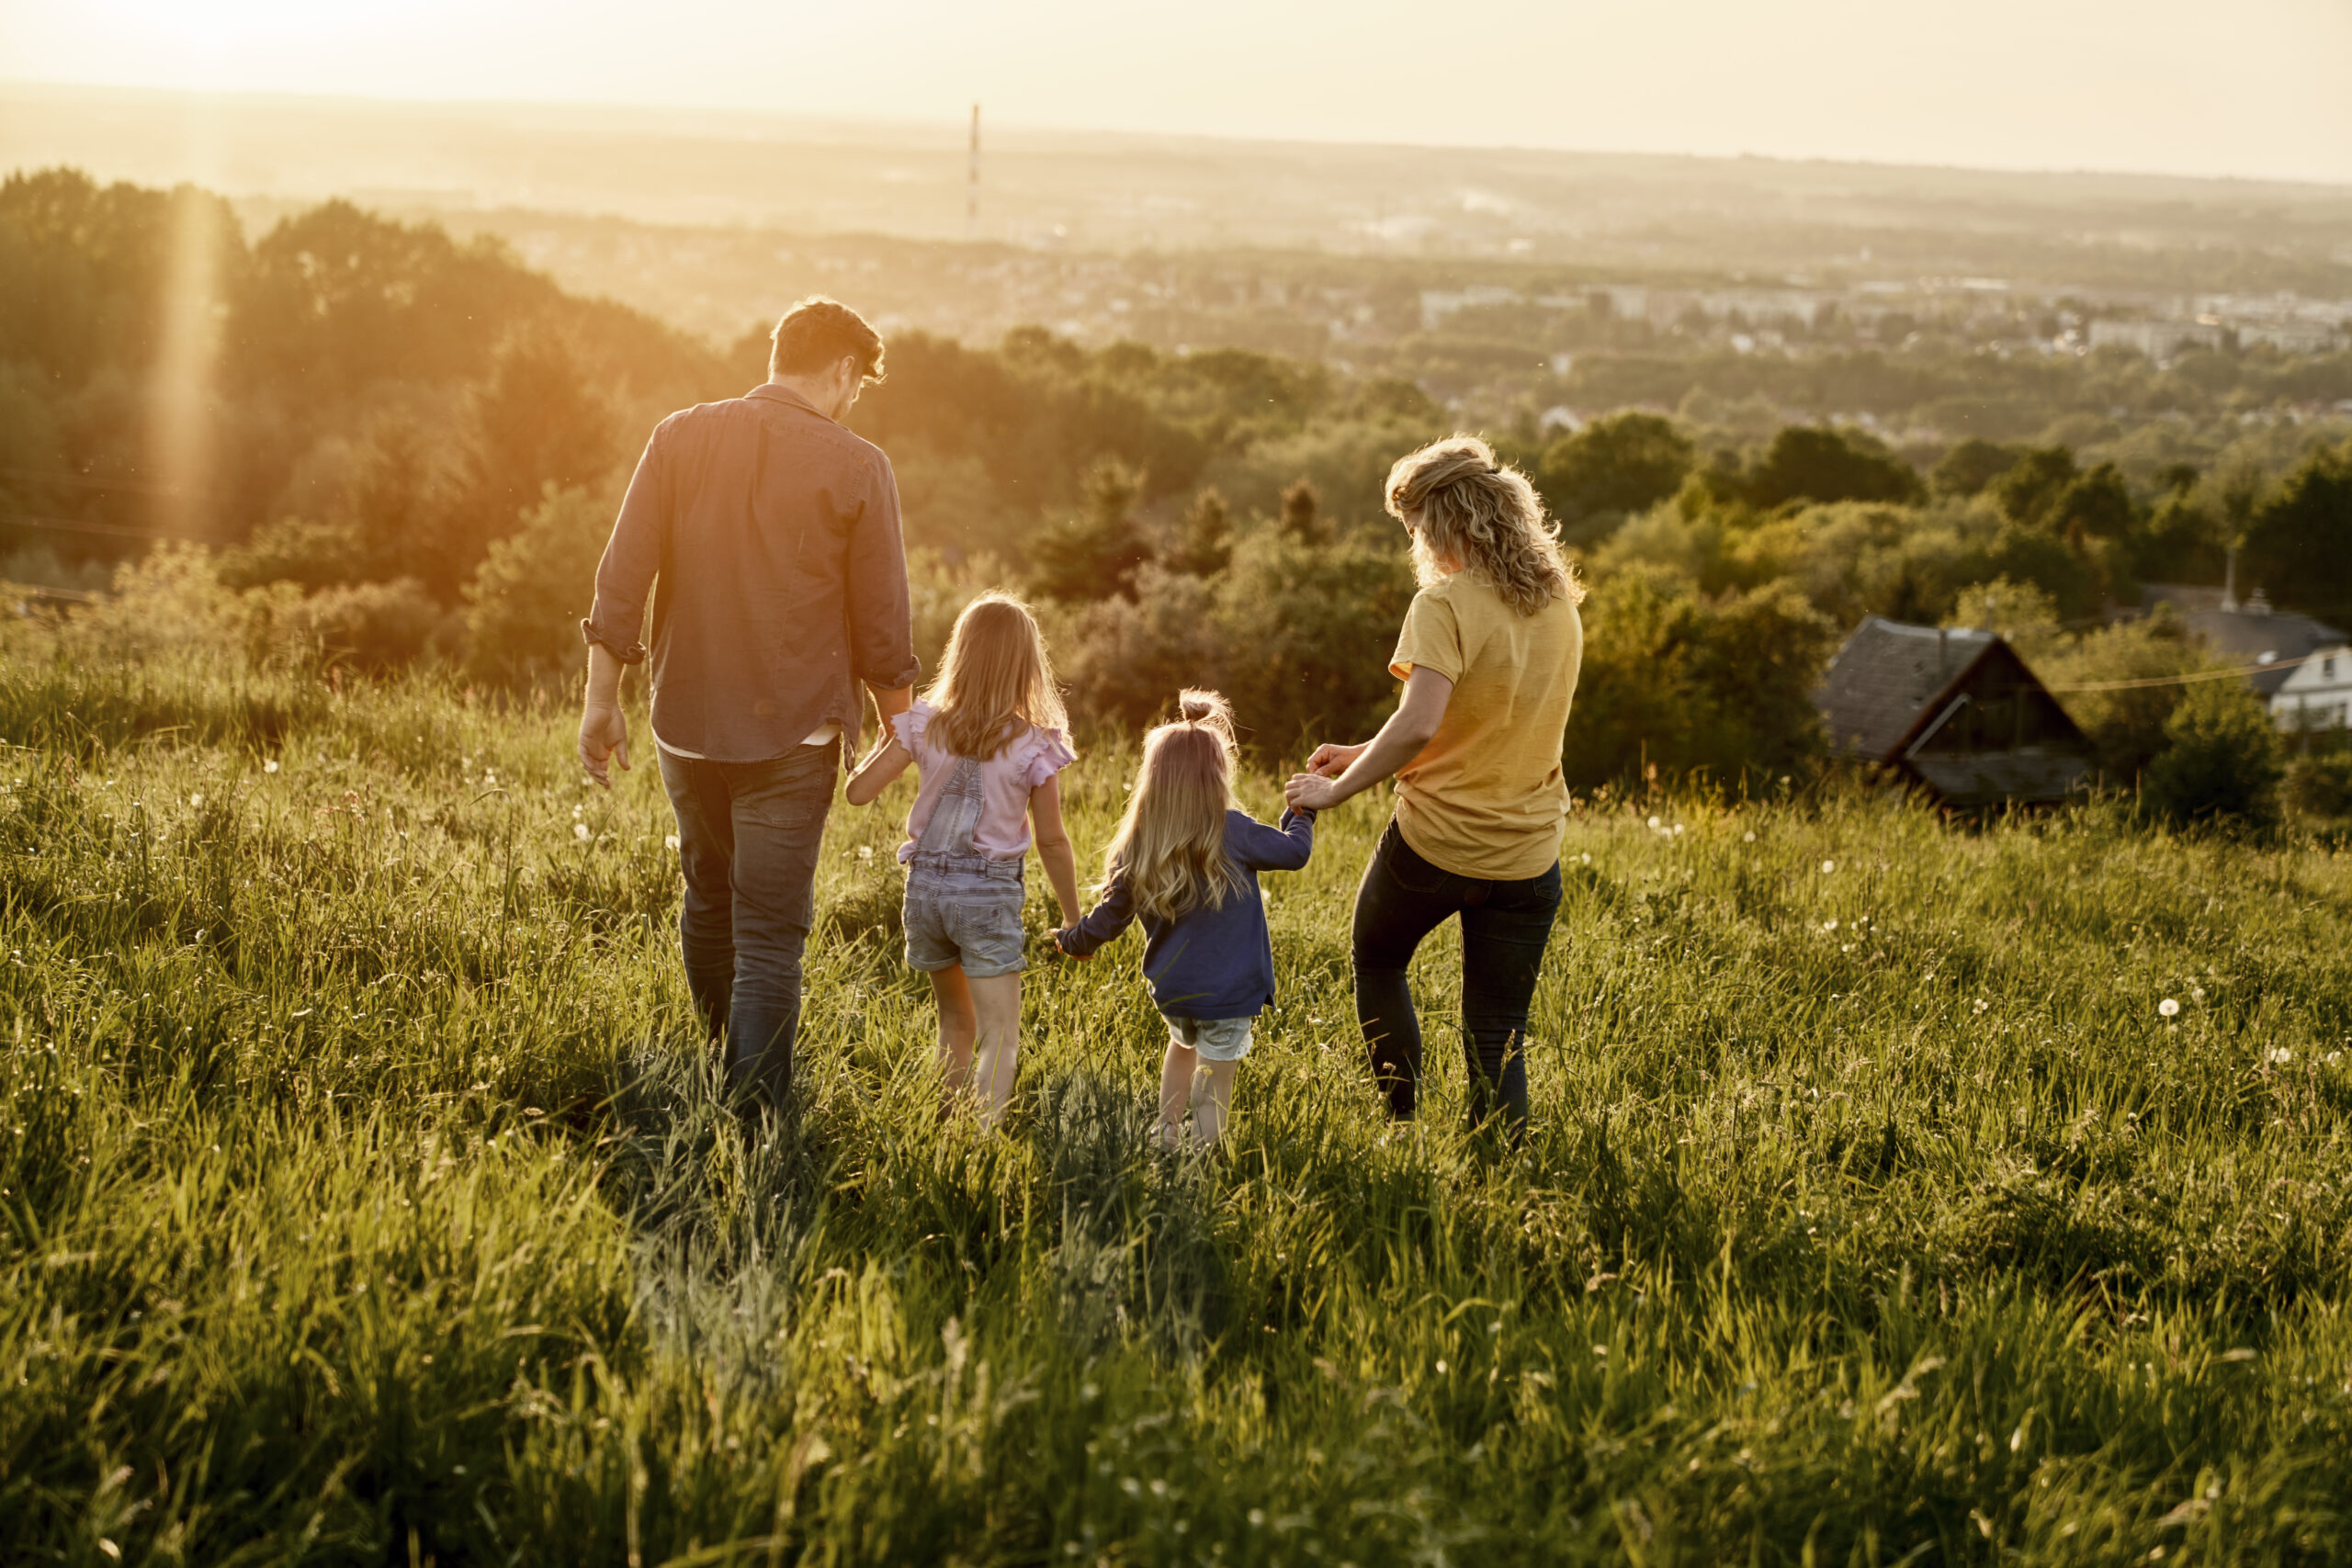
2249, 87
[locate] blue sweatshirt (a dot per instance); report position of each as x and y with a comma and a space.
1212, 963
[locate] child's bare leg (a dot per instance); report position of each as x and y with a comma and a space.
958, 1026
1176, 1071
1213, 1100
997, 1004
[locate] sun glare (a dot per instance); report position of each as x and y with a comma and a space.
222, 34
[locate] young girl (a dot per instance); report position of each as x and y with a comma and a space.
987, 736
1185, 859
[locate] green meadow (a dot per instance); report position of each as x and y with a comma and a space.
365, 1194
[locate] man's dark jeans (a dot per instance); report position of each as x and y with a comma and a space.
748, 834
1505, 926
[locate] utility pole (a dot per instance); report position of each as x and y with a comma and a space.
972, 187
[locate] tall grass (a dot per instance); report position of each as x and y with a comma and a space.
367, 1198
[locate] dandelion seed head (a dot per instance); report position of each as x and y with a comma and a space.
1829, 925
2168, 1008
269, 765
196, 800
1653, 824
671, 841
2196, 993
2278, 1055
1750, 837
579, 832
1827, 866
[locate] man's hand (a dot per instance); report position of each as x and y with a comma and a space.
1330, 762
604, 733
1313, 792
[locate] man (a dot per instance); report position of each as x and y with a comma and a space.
775, 533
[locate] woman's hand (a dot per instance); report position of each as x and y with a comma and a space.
1330, 762
1313, 792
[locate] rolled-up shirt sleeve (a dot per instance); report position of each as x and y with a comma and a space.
633, 554
881, 621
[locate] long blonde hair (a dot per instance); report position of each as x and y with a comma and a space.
1169, 849
1470, 513
995, 681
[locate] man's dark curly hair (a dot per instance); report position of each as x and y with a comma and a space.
817, 333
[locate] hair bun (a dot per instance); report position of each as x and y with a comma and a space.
1196, 706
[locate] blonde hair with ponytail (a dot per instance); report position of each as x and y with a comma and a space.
1469, 513
1170, 848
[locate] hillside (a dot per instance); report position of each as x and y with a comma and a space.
1894, 1189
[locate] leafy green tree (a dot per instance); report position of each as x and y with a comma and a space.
1815, 463
2096, 506
2224, 761
1968, 468
2022, 613
1205, 545
1301, 516
1096, 553
538, 420
1622, 464
2298, 546
2132, 670
525, 601
1695, 685
2028, 492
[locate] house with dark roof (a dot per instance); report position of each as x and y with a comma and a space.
2270, 643
1957, 713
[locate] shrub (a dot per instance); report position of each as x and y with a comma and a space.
2126, 723
2320, 785
371, 626
1694, 684
523, 605
2224, 762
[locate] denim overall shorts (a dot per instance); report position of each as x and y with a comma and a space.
962, 906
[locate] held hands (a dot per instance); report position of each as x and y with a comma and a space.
1318, 789
1054, 942
604, 733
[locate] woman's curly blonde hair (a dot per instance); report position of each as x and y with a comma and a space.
1470, 513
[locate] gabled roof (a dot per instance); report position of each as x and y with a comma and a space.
1888, 679
2251, 632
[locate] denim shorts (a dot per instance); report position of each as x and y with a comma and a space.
1212, 1039
965, 918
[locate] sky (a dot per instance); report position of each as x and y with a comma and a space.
2247, 87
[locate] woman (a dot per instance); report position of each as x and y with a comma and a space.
1488, 655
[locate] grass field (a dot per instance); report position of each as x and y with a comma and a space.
365, 1198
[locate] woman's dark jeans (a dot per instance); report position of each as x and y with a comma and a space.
748, 835
1505, 926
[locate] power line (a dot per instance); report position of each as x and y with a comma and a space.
2236, 674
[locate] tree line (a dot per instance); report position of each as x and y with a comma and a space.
417, 444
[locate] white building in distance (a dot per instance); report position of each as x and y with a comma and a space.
2317, 694
2157, 340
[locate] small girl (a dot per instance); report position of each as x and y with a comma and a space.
1186, 859
987, 736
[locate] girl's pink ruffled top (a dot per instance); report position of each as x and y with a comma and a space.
1006, 779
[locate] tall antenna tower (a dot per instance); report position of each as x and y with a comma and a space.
972, 187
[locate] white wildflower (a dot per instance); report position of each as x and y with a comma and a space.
269, 765
2278, 1055
671, 843
196, 800
1827, 866
579, 832
1678, 830
2168, 1007
1750, 838
2196, 993
1653, 824
1982, 1004
1829, 925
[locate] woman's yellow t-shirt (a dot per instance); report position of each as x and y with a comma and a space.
1485, 797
